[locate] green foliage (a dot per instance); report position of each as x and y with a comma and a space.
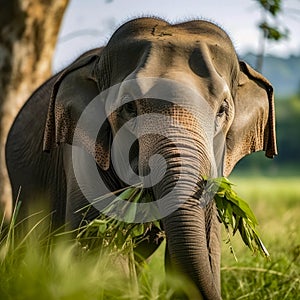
271, 32
272, 6
236, 215
288, 130
109, 232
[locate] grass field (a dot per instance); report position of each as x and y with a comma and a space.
276, 203
33, 269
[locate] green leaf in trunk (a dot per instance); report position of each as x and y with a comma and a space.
233, 212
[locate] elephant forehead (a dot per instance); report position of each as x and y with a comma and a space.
185, 77
178, 54
197, 54
153, 28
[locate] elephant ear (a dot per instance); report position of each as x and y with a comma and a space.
253, 128
75, 87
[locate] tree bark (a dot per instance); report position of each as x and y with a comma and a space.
28, 34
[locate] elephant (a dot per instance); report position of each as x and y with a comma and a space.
209, 110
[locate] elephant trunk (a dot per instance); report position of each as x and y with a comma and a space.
191, 227
188, 250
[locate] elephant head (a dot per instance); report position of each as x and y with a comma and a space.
185, 102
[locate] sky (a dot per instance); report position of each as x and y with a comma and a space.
90, 23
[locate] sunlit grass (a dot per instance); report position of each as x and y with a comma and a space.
59, 269
275, 202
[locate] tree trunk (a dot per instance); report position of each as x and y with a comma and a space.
29, 30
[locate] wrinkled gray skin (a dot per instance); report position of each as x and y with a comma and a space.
197, 54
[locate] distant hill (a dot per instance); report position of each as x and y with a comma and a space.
284, 73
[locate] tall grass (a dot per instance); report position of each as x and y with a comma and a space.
58, 268
276, 204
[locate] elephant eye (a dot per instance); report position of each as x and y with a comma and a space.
130, 108
223, 108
